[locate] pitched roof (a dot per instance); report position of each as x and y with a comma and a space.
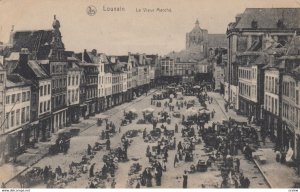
217, 40
39, 41
37, 69
15, 80
267, 18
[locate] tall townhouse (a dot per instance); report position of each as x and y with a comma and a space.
17, 114
41, 108
89, 83
107, 81
127, 64
290, 137
117, 80
142, 73
272, 93
47, 48
153, 63
250, 83
167, 69
73, 89
249, 32
2, 116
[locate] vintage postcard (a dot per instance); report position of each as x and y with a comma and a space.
149, 94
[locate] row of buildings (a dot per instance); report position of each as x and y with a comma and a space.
44, 88
262, 72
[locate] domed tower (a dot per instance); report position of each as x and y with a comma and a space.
196, 37
57, 46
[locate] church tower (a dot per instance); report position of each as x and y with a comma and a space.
197, 38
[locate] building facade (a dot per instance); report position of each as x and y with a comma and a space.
17, 114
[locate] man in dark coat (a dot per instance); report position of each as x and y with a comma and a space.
185, 180
92, 170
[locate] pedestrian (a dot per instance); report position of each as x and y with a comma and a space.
89, 149
92, 170
158, 149
176, 128
108, 144
237, 165
175, 160
185, 180
144, 133
166, 155
46, 174
148, 178
92, 185
113, 183
147, 151
138, 185
179, 146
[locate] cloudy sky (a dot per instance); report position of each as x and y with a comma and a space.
129, 30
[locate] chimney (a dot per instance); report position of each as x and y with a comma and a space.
140, 58
94, 52
24, 57
82, 56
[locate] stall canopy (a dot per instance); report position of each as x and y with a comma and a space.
148, 110
133, 110
191, 111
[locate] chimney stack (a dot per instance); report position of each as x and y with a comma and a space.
24, 57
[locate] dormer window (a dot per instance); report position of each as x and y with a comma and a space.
254, 24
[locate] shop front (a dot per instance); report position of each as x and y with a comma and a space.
288, 137
271, 125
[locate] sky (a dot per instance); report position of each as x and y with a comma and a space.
126, 31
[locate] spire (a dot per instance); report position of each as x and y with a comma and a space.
55, 24
197, 23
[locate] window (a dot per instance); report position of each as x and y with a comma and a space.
297, 97
45, 90
13, 98
41, 107
69, 81
73, 95
28, 95
48, 107
7, 120
12, 119
73, 80
49, 87
1, 78
28, 113
18, 97
23, 115
76, 79
41, 90
45, 107
18, 117
7, 99
23, 96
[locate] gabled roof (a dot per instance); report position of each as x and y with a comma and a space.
15, 80
37, 69
267, 18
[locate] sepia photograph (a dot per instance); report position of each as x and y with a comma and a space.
174, 94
